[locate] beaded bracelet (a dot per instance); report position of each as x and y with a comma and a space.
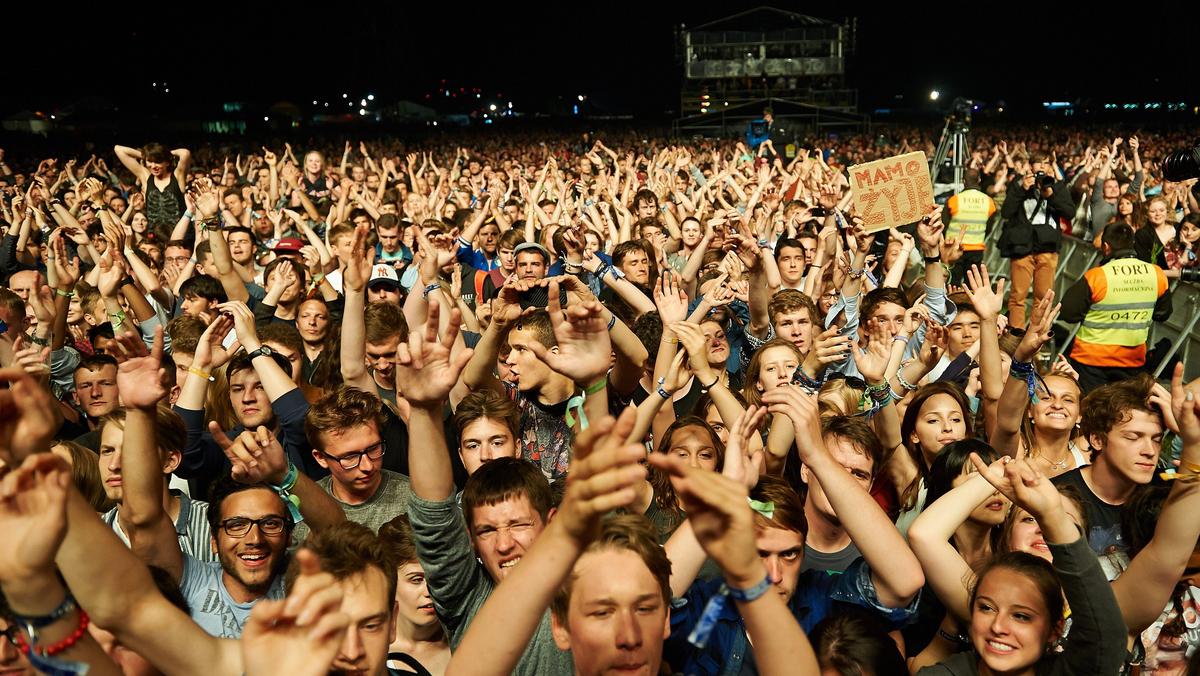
903, 382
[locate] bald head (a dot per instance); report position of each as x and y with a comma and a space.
23, 282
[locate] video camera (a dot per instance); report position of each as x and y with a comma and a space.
1181, 165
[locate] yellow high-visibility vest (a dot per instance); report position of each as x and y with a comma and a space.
1123, 316
972, 209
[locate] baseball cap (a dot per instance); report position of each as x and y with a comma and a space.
384, 274
287, 245
532, 246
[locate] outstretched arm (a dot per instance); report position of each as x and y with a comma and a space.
604, 474
894, 568
1147, 584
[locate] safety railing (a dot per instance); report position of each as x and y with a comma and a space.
1076, 257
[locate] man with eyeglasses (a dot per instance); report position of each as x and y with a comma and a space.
251, 512
345, 428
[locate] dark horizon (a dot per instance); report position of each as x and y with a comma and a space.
624, 62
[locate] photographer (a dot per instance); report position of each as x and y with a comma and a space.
1031, 236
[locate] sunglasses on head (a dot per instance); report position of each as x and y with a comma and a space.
853, 381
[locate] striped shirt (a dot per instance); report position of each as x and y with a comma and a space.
195, 536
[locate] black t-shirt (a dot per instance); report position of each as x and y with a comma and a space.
1104, 520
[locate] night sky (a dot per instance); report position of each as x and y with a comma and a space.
623, 57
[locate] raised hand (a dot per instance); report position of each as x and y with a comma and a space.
830, 347
206, 197
1040, 329
929, 232
300, 635
670, 298
33, 517
210, 353
255, 457
139, 371
425, 369
112, 273
720, 516
872, 362
801, 409
1185, 403
29, 416
987, 302
934, 346
1023, 483
33, 359
743, 463
605, 474
243, 323
358, 268
584, 349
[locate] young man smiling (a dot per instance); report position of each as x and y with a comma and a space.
249, 520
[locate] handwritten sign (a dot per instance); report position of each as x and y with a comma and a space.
893, 191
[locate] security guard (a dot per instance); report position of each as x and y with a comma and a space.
1116, 304
969, 212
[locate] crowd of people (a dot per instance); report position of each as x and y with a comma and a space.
552, 404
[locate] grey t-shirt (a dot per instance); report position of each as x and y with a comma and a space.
212, 607
390, 501
834, 562
460, 586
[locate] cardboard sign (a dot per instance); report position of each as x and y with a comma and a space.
891, 192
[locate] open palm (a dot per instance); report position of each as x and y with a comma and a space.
584, 348
33, 515
425, 369
139, 371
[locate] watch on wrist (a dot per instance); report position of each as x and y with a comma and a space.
262, 351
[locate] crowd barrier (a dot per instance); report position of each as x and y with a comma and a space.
1077, 256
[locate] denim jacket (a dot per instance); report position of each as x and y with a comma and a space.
817, 595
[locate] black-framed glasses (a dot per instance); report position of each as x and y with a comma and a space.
12, 634
354, 458
239, 526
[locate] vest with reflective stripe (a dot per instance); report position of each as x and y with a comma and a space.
1123, 316
973, 208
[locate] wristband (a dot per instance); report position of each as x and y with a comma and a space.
430, 288
900, 339
661, 392
187, 215
933, 259
36, 340
284, 490
202, 373
856, 274
752, 593
68, 604
612, 321
596, 386
64, 294
1025, 372
716, 381
716, 607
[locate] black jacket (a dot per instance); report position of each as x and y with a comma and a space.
1021, 237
